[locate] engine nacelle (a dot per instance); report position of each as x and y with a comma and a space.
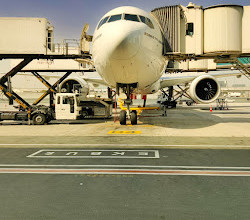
74, 85
204, 89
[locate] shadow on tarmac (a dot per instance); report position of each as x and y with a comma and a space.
180, 118
192, 119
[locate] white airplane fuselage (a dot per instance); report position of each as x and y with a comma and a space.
127, 51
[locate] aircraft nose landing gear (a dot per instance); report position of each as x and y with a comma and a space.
124, 114
132, 116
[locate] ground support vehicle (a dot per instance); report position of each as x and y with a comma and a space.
67, 106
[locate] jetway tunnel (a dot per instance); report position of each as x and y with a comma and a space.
198, 38
219, 29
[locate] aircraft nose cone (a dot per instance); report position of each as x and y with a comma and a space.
125, 46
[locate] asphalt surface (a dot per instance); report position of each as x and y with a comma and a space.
192, 164
55, 182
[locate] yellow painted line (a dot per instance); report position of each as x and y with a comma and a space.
148, 126
124, 132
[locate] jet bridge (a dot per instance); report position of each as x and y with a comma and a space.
198, 38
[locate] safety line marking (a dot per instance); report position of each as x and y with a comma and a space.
126, 171
124, 132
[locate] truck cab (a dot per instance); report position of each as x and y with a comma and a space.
67, 106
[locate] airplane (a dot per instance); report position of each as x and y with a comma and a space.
127, 50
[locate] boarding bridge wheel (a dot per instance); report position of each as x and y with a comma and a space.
39, 119
133, 117
123, 117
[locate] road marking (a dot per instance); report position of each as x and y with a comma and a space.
163, 146
124, 154
127, 171
124, 132
125, 166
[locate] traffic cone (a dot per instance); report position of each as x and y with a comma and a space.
211, 109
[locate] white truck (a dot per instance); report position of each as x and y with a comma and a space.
67, 106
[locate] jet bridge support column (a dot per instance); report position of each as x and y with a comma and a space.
169, 102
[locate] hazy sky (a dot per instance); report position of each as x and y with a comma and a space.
69, 16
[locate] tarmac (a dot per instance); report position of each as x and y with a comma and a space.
190, 164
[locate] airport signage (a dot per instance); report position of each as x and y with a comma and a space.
148, 154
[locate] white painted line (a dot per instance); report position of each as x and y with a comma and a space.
35, 153
126, 171
95, 157
125, 166
52, 153
138, 145
157, 154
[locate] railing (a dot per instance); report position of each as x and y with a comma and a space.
242, 68
66, 47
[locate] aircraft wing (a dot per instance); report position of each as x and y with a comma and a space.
181, 78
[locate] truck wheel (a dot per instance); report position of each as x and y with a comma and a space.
39, 119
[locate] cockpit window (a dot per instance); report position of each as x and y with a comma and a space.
143, 19
103, 21
115, 18
147, 21
130, 17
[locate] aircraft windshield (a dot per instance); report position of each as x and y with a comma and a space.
103, 21
115, 18
128, 17
131, 17
143, 19
146, 21
149, 23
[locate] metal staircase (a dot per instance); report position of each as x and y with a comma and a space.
237, 64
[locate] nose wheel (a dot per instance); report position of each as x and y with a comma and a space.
133, 117
123, 117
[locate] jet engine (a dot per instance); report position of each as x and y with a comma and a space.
204, 89
74, 85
